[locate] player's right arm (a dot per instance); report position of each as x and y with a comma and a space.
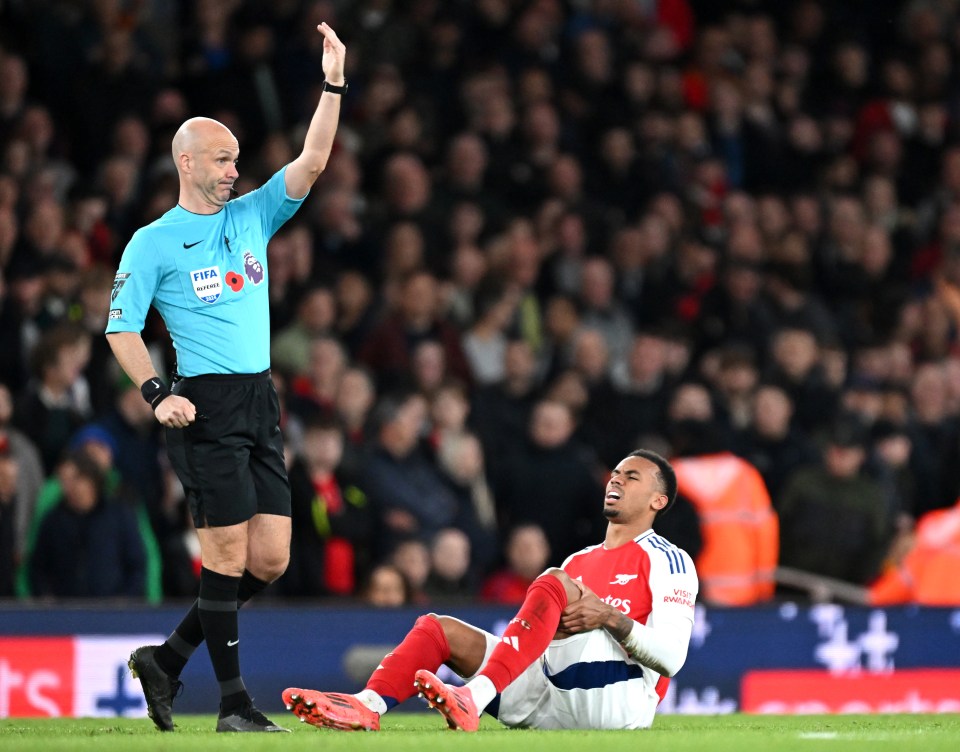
134, 288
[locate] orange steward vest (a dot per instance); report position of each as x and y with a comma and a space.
929, 572
741, 534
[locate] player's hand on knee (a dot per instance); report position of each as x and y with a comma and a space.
586, 614
176, 412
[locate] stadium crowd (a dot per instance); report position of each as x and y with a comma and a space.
550, 232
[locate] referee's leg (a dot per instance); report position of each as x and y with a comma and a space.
223, 553
268, 546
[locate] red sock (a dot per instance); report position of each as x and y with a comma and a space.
529, 632
425, 646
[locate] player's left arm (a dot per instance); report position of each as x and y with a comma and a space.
303, 171
662, 643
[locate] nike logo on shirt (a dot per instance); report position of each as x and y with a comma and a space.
191, 245
231, 643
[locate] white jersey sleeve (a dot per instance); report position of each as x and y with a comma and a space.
662, 643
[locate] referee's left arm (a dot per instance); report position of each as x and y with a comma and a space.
303, 171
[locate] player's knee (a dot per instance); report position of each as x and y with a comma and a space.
571, 586
445, 622
452, 628
272, 567
564, 578
556, 572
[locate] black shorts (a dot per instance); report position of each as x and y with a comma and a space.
230, 459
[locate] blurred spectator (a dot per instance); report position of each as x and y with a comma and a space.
449, 567
290, 349
644, 388
485, 342
9, 481
88, 545
408, 491
449, 409
135, 435
342, 240
550, 481
14, 82
406, 195
355, 309
796, 367
937, 434
895, 465
386, 587
315, 389
521, 268
790, 304
354, 400
603, 312
97, 443
561, 326
332, 518
501, 411
527, 555
460, 456
734, 384
94, 296
428, 368
835, 521
25, 458
771, 443
389, 348
468, 268
601, 411
57, 401
734, 310
412, 557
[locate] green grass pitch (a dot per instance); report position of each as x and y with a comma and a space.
403, 732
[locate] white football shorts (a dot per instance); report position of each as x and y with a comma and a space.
582, 682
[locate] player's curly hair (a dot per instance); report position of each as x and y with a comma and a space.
665, 474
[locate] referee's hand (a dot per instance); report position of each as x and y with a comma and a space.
334, 52
176, 412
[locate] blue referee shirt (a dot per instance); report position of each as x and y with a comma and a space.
207, 276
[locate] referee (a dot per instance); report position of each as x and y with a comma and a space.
203, 266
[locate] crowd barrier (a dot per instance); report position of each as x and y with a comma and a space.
777, 659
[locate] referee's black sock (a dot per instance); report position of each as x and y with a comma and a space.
176, 651
217, 607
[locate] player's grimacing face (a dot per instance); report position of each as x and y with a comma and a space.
632, 486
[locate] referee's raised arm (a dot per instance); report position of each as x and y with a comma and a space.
303, 171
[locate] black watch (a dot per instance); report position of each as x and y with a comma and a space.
327, 86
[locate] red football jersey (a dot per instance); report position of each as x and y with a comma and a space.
639, 577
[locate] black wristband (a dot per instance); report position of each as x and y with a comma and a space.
154, 392
327, 86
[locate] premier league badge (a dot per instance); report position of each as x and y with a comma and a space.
252, 268
207, 283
